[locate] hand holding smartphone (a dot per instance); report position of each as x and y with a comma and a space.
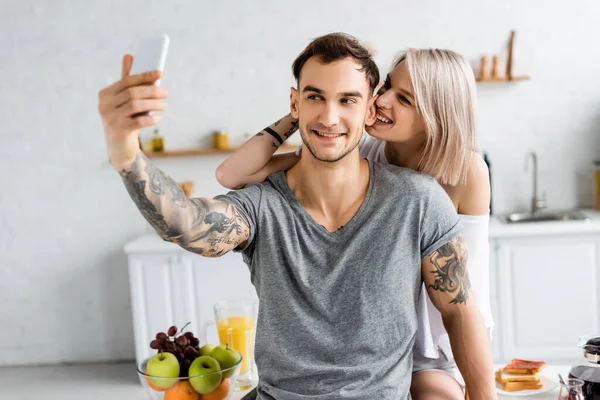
150, 54
129, 104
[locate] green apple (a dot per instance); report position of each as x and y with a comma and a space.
207, 349
227, 358
160, 366
205, 374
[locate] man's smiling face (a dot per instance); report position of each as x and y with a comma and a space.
332, 104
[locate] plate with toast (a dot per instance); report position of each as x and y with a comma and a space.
523, 378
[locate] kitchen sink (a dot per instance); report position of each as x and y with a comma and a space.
546, 216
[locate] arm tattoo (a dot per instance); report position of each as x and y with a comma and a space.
136, 191
200, 207
224, 228
451, 276
159, 182
274, 134
292, 129
204, 226
287, 134
220, 223
274, 145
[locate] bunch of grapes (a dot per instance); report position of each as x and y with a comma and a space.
184, 346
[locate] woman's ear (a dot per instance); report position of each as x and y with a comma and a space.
372, 111
294, 102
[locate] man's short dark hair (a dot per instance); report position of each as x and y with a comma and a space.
337, 46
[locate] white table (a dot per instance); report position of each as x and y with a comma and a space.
550, 370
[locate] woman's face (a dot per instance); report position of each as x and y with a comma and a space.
397, 117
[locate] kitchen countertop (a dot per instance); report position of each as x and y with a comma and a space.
152, 243
115, 382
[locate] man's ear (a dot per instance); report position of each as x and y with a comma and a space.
371, 112
294, 97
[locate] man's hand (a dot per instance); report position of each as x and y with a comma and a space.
121, 106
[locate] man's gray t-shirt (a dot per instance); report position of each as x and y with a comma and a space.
337, 315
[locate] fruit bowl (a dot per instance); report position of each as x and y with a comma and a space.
209, 385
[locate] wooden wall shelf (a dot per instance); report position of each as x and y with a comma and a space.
205, 151
503, 79
486, 76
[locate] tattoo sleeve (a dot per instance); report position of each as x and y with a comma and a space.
205, 226
450, 271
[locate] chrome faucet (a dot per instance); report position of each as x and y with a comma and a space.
537, 203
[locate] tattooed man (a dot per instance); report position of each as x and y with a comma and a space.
338, 247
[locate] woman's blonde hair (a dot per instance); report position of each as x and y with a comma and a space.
445, 96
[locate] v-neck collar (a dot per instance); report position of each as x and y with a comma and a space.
287, 192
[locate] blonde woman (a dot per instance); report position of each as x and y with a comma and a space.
425, 122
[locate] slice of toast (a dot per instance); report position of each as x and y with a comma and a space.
516, 386
503, 377
525, 367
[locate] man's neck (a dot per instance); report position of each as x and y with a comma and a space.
330, 192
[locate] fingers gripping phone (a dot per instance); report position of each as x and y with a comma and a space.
149, 54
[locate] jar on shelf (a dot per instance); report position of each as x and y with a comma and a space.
156, 143
220, 140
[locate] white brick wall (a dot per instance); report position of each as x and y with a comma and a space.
64, 215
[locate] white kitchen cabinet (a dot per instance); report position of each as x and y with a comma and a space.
545, 294
171, 286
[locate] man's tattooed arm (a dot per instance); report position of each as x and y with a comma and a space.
445, 273
205, 226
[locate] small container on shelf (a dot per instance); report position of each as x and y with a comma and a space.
156, 143
220, 140
485, 71
496, 67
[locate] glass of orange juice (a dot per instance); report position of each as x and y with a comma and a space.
236, 327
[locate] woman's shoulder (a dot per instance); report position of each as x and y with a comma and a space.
473, 197
368, 141
371, 148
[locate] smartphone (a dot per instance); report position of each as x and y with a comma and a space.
150, 54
